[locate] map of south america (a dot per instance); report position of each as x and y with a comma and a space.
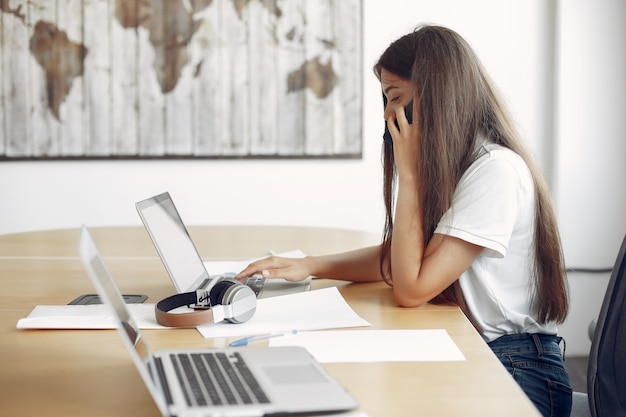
61, 60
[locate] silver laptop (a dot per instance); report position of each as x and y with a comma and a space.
248, 381
180, 256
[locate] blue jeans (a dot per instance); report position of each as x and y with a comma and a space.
536, 364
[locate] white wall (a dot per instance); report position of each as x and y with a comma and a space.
591, 158
590, 163
511, 37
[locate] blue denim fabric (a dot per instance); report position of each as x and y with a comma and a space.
536, 364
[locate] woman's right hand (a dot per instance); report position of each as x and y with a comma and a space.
406, 143
290, 269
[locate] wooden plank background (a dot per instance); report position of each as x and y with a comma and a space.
180, 78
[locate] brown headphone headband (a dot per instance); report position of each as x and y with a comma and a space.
202, 315
191, 319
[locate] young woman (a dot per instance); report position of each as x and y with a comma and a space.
469, 217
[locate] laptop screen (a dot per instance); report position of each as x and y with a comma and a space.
104, 284
129, 330
172, 241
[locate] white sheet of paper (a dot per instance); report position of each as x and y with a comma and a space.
91, 316
309, 310
375, 345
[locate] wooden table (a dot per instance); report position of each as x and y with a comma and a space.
89, 373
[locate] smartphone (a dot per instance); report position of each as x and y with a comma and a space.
86, 299
408, 112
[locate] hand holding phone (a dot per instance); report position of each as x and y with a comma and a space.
408, 112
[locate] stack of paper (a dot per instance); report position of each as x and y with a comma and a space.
310, 310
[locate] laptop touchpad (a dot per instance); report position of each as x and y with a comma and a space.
299, 374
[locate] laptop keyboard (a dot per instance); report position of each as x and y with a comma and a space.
217, 378
255, 282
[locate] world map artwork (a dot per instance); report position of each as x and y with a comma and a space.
191, 43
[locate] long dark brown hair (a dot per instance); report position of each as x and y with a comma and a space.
456, 103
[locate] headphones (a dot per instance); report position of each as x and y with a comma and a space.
228, 300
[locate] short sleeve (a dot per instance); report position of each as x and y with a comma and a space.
487, 202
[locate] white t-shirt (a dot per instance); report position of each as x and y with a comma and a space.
494, 207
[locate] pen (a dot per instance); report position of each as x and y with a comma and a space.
244, 341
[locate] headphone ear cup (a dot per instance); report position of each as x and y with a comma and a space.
239, 297
242, 302
217, 292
